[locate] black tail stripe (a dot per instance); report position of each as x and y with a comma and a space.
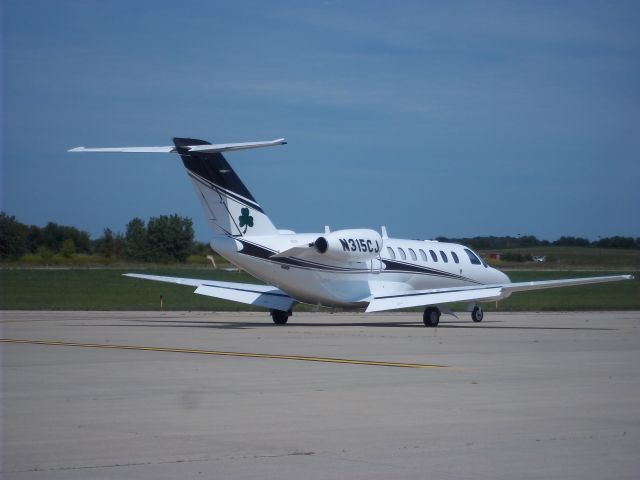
211, 166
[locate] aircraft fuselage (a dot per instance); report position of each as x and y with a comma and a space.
400, 266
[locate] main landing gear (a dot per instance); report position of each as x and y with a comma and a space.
280, 317
431, 317
477, 314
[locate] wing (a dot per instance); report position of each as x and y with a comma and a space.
259, 295
416, 298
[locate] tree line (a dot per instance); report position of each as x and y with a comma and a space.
527, 241
169, 238
163, 239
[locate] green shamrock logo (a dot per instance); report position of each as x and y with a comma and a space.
246, 220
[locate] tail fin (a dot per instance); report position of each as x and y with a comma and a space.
229, 206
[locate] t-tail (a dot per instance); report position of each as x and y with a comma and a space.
229, 206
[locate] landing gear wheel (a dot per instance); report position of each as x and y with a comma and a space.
477, 314
279, 317
431, 317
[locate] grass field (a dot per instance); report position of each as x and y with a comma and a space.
571, 258
107, 289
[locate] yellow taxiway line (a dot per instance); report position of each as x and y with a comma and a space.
227, 354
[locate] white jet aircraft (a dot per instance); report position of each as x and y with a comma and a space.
352, 269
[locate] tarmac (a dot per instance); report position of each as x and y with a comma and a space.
327, 396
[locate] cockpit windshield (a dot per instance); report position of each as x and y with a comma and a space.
473, 258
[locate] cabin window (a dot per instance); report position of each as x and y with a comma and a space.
423, 255
392, 254
412, 254
403, 255
444, 257
472, 257
433, 255
455, 257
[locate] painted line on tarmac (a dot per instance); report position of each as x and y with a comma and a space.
224, 354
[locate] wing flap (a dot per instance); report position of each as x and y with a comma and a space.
433, 297
274, 299
252, 294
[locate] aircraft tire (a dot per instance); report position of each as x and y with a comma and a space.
477, 314
431, 317
279, 317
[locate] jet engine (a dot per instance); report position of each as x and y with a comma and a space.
354, 245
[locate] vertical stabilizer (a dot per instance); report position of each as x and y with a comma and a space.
228, 205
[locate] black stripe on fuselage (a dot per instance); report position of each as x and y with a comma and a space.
261, 252
401, 267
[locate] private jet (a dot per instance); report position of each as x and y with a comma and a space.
358, 268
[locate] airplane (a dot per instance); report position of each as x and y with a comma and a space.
358, 268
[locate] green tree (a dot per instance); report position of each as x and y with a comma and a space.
68, 248
136, 246
54, 235
617, 242
169, 238
13, 237
105, 245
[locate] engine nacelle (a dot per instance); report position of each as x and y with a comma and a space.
353, 245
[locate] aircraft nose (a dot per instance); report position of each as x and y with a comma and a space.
502, 277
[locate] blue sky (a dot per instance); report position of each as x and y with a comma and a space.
433, 118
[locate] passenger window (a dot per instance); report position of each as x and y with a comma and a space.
413, 255
455, 257
392, 254
423, 255
444, 257
472, 257
403, 255
433, 255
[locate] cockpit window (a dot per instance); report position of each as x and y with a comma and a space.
472, 257
455, 257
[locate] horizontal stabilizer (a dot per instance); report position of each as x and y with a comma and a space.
167, 149
221, 147
230, 147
